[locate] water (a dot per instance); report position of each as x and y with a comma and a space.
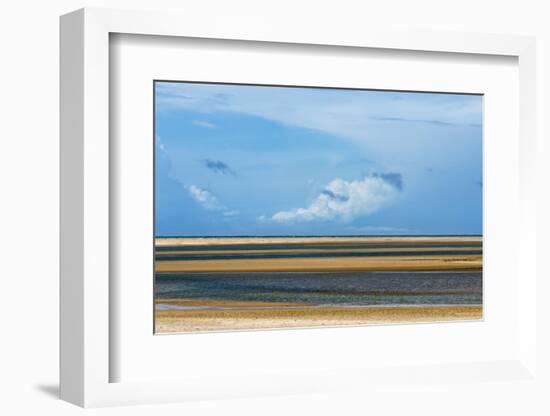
327, 289
248, 255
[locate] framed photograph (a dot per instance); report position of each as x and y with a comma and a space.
286, 206
265, 211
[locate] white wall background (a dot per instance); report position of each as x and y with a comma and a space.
29, 205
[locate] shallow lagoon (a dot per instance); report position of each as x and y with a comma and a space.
327, 289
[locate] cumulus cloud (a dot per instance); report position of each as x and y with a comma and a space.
217, 166
347, 200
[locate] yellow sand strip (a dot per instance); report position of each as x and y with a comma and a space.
395, 263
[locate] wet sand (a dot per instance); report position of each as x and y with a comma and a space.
173, 321
223, 303
318, 250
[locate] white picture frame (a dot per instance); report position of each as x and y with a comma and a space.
86, 355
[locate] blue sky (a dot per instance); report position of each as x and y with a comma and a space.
257, 160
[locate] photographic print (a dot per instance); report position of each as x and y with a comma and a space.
297, 207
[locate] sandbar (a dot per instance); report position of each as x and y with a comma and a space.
326, 264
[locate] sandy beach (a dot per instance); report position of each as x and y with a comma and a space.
241, 316
223, 283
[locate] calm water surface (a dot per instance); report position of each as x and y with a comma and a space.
330, 288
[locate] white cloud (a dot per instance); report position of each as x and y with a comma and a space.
209, 201
205, 198
404, 130
202, 123
344, 200
355, 115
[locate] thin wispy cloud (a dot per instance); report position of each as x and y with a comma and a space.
231, 213
349, 114
205, 124
207, 200
423, 121
160, 144
346, 200
217, 166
